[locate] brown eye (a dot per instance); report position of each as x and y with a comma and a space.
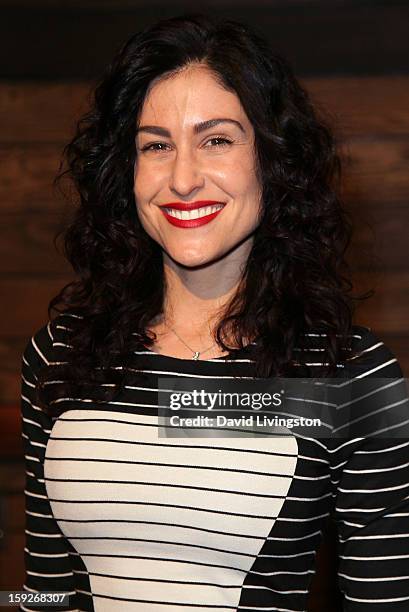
153, 145
222, 142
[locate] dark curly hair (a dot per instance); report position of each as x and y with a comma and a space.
296, 278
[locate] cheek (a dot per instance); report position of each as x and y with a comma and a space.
239, 171
247, 188
142, 186
248, 179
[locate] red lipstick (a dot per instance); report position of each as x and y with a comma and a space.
169, 207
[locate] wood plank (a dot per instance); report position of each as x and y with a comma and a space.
11, 350
26, 178
40, 112
375, 171
12, 563
15, 518
12, 481
33, 112
25, 303
387, 311
375, 174
12, 475
379, 241
38, 42
11, 443
27, 247
364, 105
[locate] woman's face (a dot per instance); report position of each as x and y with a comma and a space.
182, 161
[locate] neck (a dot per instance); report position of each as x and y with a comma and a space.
196, 296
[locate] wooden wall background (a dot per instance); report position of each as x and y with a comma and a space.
353, 59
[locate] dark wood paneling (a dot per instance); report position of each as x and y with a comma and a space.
27, 301
39, 112
26, 177
387, 311
363, 106
38, 118
376, 171
12, 474
357, 107
11, 448
379, 242
12, 480
349, 37
12, 564
47, 39
11, 350
27, 246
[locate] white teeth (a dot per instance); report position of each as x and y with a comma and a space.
193, 214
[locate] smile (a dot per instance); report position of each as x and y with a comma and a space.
192, 218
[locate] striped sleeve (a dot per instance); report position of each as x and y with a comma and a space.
47, 563
370, 475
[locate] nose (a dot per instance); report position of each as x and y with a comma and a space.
185, 175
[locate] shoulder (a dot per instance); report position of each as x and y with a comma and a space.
365, 353
371, 397
370, 356
42, 349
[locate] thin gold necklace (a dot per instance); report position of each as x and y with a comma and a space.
196, 354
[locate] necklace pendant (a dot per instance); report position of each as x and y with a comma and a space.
196, 355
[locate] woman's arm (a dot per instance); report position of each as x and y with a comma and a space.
371, 480
47, 562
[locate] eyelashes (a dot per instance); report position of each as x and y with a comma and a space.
149, 147
223, 142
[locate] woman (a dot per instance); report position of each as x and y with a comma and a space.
208, 244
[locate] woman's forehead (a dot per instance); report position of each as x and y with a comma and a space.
193, 95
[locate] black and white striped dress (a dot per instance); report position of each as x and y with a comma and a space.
125, 520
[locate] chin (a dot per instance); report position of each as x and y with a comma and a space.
192, 259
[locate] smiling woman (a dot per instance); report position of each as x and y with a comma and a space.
214, 158
207, 151
209, 247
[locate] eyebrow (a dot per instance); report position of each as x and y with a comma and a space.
197, 128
